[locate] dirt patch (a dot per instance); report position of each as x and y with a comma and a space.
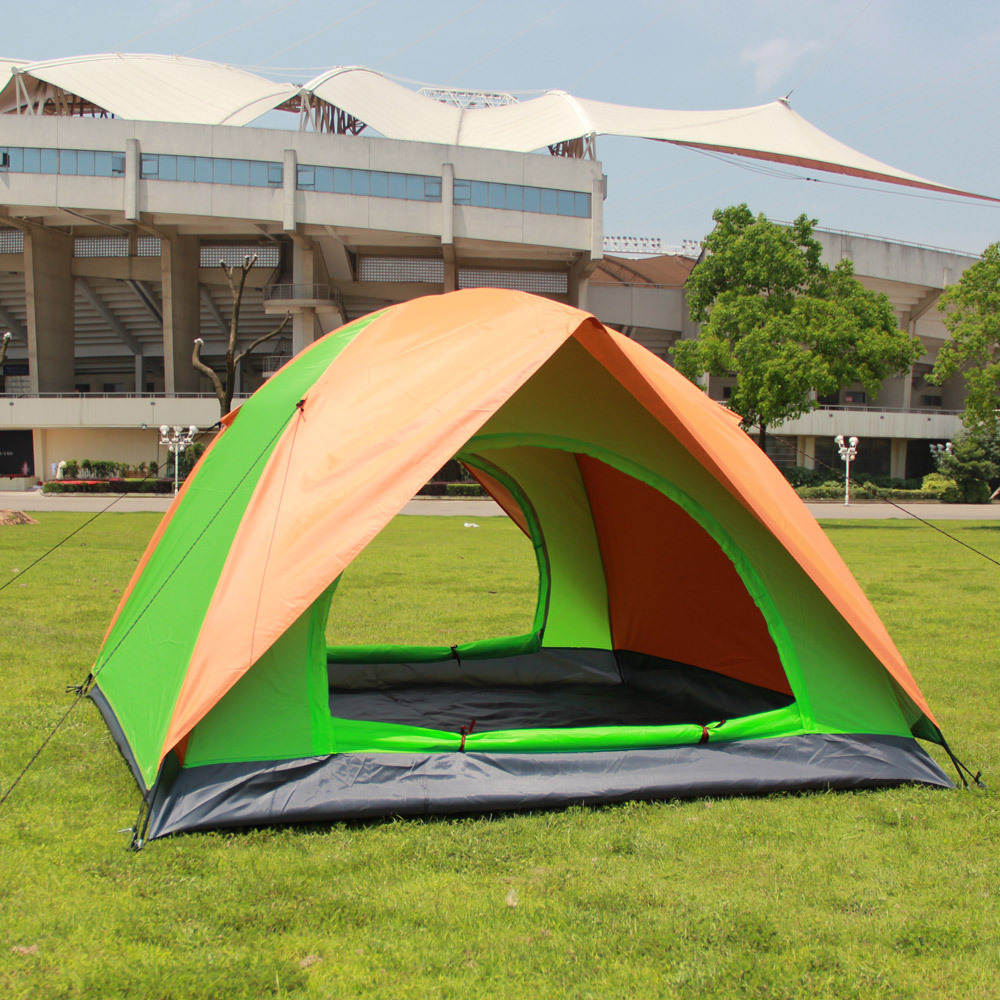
15, 517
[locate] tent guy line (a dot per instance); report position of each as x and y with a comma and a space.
83, 690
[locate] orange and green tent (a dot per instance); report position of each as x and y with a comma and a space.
695, 632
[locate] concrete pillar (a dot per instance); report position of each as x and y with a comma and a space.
50, 298
181, 311
598, 193
40, 454
806, 445
130, 189
289, 187
906, 398
139, 374
573, 287
897, 458
303, 273
448, 227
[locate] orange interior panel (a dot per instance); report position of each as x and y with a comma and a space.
673, 592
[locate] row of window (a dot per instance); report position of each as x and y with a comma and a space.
369, 183
269, 174
520, 198
81, 162
416, 187
211, 170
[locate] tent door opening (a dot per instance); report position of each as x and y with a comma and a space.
643, 622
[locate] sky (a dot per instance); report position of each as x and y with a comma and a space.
913, 83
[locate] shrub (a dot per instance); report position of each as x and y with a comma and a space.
799, 475
976, 491
864, 492
942, 487
464, 490
451, 472
110, 486
71, 469
189, 458
824, 491
886, 482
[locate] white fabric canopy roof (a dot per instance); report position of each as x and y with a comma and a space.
7, 68
767, 132
177, 89
157, 88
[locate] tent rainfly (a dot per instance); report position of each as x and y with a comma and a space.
696, 632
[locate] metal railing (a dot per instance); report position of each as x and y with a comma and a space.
890, 409
272, 362
886, 239
151, 396
631, 284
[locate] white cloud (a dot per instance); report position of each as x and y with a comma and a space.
774, 59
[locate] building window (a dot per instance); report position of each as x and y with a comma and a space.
931, 401
100, 246
551, 282
78, 162
233, 254
11, 241
409, 269
519, 198
367, 183
210, 170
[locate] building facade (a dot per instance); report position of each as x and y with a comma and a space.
645, 299
126, 182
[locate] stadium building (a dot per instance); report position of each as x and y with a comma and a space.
127, 180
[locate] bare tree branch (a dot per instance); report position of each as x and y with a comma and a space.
237, 276
236, 286
220, 390
7, 338
267, 336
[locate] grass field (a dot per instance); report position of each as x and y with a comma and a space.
888, 894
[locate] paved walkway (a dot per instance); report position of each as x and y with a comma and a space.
464, 507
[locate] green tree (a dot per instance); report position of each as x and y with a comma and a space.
973, 462
787, 325
972, 315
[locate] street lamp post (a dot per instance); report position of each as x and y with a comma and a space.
937, 450
848, 452
177, 439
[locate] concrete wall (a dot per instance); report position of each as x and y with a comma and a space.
102, 411
635, 305
872, 423
190, 200
65, 443
914, 265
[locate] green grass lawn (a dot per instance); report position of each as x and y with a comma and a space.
858, 895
